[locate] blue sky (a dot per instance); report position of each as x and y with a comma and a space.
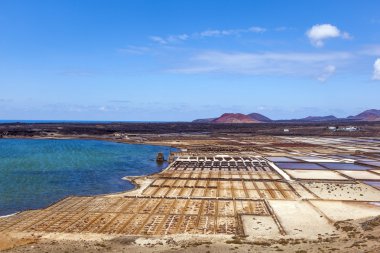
180, 60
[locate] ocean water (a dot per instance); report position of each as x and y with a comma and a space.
3, 121
37, 173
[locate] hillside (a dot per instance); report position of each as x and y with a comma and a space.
319, 118
369, 115
259, 117
234, 118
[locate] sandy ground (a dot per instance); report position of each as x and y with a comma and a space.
8, 241
351, 236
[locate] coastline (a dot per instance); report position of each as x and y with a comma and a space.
10, 215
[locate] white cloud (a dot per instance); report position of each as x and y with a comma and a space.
376, 70
301, 64
134, 50
319, 33
170, 38
218, 33
158, 39
327, 72
257, 29
206, 33
175, 38
372, 50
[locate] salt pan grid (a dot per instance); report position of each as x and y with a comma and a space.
137, 216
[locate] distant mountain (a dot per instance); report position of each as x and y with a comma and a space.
318, 118
209, 120
234, 118
369, 115
259, 117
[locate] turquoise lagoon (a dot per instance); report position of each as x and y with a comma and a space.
37, 173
